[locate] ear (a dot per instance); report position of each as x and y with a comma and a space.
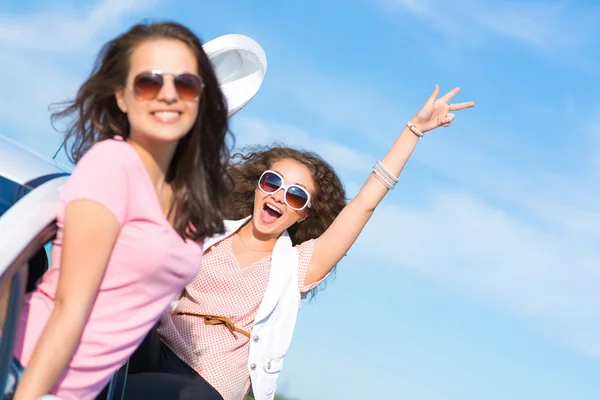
120, 96
304, 217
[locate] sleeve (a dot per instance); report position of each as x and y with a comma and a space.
101, 176
305, 252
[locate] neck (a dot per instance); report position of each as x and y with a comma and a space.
254, 239
156, 157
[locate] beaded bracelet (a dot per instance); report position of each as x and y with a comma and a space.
384, 176
414, 129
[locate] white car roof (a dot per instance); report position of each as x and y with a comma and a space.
22, 165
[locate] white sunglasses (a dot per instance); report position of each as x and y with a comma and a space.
295, 196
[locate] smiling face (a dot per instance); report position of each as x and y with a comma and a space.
167, 117
271, 215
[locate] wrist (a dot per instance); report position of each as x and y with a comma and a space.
416, 129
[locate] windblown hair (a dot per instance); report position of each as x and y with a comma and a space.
327, 202
197, 172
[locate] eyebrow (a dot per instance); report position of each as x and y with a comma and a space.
296, 183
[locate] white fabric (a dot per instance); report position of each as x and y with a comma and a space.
240, 64
276, 317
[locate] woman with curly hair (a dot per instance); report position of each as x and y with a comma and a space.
289, 227
148, 134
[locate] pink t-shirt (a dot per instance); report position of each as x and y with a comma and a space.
149, 266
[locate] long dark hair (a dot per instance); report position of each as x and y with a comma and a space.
197, 172
329, 198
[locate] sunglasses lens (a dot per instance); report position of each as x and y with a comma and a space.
269, 182
147, 85
188, 86
296, 197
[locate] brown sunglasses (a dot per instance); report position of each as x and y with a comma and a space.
147, 85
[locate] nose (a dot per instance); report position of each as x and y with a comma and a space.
279, 196
168, 92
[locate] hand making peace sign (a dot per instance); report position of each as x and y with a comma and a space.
437, 112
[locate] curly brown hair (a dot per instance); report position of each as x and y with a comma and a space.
247, 166
197, 172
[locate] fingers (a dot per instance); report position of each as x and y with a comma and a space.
461, 106
445, 122
446, 98
434, 95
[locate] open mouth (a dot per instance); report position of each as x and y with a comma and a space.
269, 213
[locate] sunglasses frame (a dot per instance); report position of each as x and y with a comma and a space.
285, 190
162, 75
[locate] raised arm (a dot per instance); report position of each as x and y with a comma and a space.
343, 232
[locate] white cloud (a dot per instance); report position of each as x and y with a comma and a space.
496, 256
557, 194
341, 104
65, 30
545, 25
335, 369
252, 131
30, 86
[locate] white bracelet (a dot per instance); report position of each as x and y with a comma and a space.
384, 176
387, 173
414, 129
388, 185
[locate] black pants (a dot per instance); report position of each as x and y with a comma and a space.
156, 373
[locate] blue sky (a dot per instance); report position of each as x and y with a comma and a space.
478, 276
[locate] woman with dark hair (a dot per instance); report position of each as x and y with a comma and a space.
289, 227
147, 132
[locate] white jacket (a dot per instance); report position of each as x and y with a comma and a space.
276, 316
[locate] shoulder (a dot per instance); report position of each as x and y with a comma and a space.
109, 150
106, 170
305, 249
110, 158
105, 174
